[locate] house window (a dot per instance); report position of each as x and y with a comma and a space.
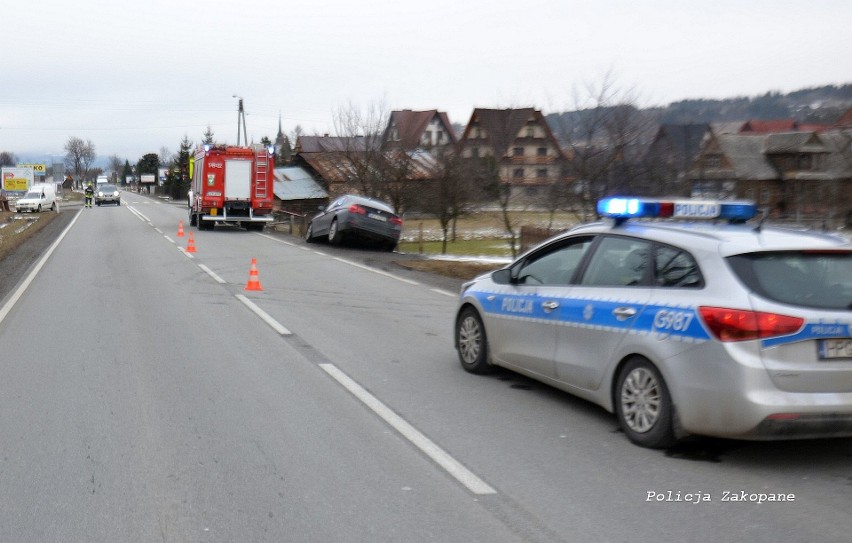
427, 137
805, 162
518, 173
518, 151
474, 152
764, 196
530, 131
541, 151
541, 173
713, 161
440, 136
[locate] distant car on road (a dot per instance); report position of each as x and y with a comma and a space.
731, 330
107, 193
357, 217
37, 199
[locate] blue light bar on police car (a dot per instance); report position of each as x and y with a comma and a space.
630, 208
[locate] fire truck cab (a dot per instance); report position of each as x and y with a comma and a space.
231, 184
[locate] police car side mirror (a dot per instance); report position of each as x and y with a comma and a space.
502, 277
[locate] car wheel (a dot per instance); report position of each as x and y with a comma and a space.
334, 234
309, 233
471, 343
39, 208
643, 405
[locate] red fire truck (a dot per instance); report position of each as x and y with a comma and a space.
231, 185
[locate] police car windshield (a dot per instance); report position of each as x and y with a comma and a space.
803, 278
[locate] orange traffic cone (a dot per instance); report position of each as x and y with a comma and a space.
253, 282
190, 245
180, 229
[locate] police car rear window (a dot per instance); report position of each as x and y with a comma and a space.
818, 279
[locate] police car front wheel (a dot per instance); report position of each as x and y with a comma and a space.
471, 342
643, 405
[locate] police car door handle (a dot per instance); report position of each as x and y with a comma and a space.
624, 313
549, 306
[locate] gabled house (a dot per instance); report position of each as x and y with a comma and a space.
409, 130
671, 154
793, 175
526, 152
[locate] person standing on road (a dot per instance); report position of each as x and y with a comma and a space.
90, 194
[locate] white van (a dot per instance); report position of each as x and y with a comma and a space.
38, 198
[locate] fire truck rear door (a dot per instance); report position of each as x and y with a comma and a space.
237, 179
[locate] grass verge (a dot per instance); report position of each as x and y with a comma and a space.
17, 228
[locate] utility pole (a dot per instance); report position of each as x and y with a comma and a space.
241, 118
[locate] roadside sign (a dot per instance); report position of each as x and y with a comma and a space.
17, 179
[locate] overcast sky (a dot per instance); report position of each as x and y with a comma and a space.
134, 77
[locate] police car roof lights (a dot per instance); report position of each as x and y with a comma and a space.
622, 209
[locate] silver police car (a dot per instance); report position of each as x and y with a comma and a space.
718, 327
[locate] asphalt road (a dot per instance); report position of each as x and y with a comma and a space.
147, 395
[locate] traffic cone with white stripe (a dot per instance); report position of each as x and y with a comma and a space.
190, 245
254, 281
180, 229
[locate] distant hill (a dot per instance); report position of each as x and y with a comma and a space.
815, 105
820, 105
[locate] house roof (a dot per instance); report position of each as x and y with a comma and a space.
727, 127
746, 156
411, 125
845, 120
503, 126
766, 127
294, 183
325, 144
794, 142
684, 139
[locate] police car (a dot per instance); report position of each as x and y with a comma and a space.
694, 322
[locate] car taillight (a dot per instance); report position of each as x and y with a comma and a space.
355, 208
395, 220
742, 325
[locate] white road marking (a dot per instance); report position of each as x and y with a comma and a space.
374, 270
209, 272
443, 292
264, 316
433, 451
168, 238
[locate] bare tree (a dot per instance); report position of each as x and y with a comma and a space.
451, 191
79, 156
360, 132
603, 133
115, 165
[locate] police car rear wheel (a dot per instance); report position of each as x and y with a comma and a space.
471, 343
643, 405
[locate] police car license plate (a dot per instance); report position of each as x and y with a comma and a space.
832, 349
377, 217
